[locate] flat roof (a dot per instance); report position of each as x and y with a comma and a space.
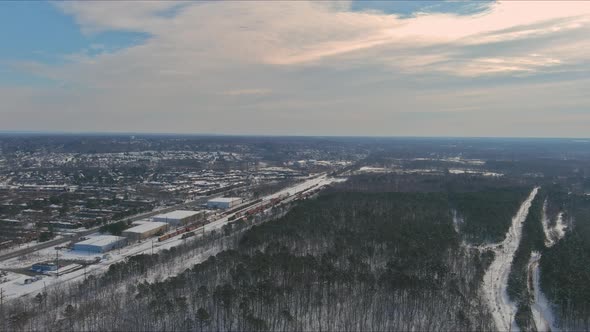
101, 240
224, 199
145, 227
178, 214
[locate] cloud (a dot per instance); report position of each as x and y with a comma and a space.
304, 33
352, 72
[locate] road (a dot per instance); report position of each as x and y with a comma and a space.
495, 282
540, 306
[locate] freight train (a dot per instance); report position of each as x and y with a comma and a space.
237, 213
181, 230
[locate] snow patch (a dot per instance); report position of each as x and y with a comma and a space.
457, 221
368, 169
555, 233
476, 172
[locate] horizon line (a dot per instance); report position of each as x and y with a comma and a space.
143, 133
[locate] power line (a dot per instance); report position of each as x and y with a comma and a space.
1, 300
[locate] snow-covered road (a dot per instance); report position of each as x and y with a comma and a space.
541, 307
495, 281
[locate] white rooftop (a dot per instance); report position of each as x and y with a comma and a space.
102, 240
178, 214
224, 199
145, 227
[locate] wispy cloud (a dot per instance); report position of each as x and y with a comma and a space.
310, 33
326, 60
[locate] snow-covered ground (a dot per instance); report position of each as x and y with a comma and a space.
25, 245
495, 281
457, 221
47, 254
555, 233
560, 227
16, 287
369, 169
6, 277
541, 307
476, 172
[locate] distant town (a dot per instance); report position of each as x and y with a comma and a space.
66, 202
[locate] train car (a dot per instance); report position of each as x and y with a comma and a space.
6, 244
241, 207
187, 235
170, 235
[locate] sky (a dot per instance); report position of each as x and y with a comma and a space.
368, 68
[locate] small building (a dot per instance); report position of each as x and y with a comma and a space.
223, 202
44, 267
102, 243
180, 217
144, 230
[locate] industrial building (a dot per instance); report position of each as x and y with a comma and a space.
44, 267
223, 202
180, 217
102, 243
144, 230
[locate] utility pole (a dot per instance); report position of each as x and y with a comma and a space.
57, 263
152, 246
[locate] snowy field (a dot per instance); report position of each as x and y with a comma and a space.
15, 286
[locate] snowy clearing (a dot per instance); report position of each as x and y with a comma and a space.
495, 281
541, 307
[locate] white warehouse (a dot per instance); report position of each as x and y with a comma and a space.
144, 230
180, 217
223, 202
102, 243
